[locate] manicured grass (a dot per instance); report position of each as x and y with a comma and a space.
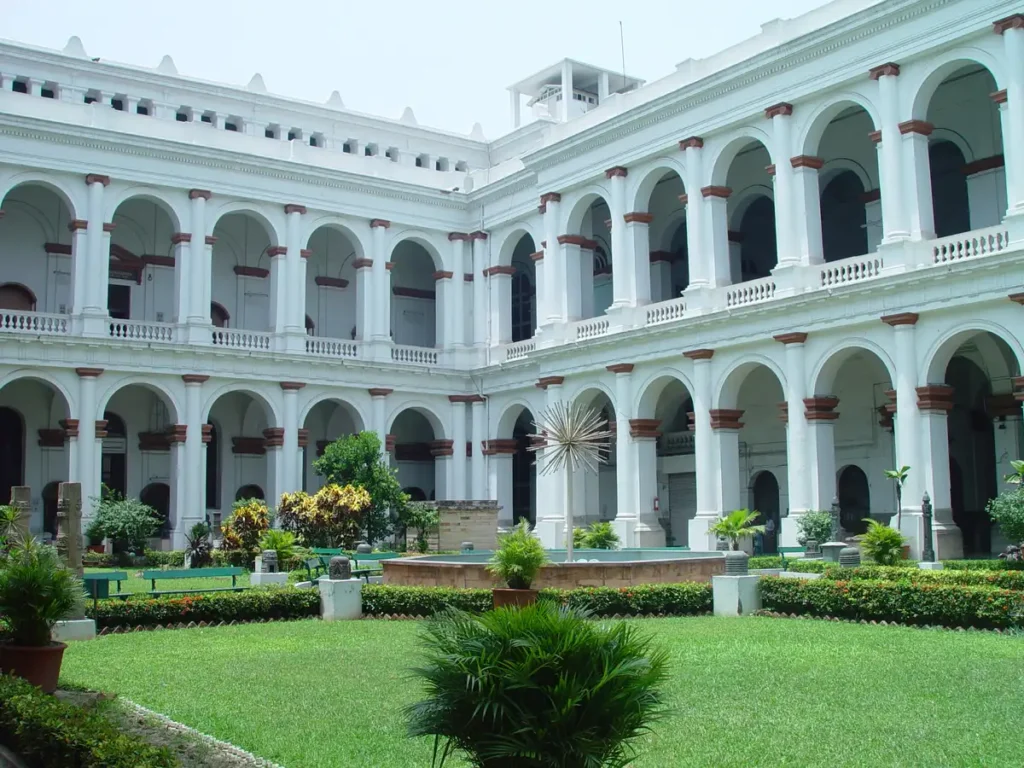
138, 585
745, 692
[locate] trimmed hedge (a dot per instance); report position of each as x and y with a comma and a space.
896, 601
766, 561
153, 558
48, 733
967, 578
267, 603
679, 599
984, 565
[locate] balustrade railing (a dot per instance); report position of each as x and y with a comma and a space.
519, 349
592, 328
677, 444
137, 330
852, 270
666, 311
33, 323
414, 355
970, 244
753, 292
241, 339
331, 347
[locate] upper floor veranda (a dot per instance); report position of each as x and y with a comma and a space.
883, 148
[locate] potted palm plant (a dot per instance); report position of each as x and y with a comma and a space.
517, 561
36, 591
738, 524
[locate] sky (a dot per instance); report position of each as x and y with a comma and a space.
450, 60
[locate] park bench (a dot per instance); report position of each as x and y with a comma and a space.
97, 585
193, 573
314, 568
357, 560
783, 551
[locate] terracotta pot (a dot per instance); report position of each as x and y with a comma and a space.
906, 551
516, 597
39, 665
97, 548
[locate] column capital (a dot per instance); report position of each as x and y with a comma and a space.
919, 127
181, 237
273, 437
97, 178
537, 256
550, 197
277, 250
620, 368
77, 224
699, 354
1017, 298
783, 411
207, 433
442, 447
379, 223
1018, 387
390, 441
443, 275
210, 240
935, 398
638, 217
726, 418
716, 191
199, 194
901, 318
693, 142
579, 240
796, 337
617, 172
109, 227
303, 435
550, 381
177, 433
292, 386
821, 408
782, 109
465, 398
500, 447
294, 208
100, 427
807, 161
645, 428
999, 97
875, 137
305, 253
88, 373
379, 392
500, 270
889, 69
70, 427
1010, 22
194, 378
362, 263
478, 235
457, 236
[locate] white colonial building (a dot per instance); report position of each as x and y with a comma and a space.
779, 271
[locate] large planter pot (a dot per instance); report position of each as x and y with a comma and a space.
38, 665
517, 597
906, 551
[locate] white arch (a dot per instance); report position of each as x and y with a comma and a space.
273, 223
813, 129
509, 241
650, 391
824, 370
588, 385
510, 415
729, 383
76, 202
337, 223
427, 240
837, 165
425, 410
930, 74
576, 206
51, 379
349, 405
941, 351
728, 147
155, 385
647, 178
741, 200
170, 202
271, 406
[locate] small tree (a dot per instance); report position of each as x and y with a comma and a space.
1007, 509
898, 476
737, 525
245, 526
423, 519
128, 523
357, 460
816, 525
881, 543
329, 518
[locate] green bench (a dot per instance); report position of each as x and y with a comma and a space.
783, 551
325, 555
193, 573
97, 585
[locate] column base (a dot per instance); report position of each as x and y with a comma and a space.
551, 532
74, 629
788, 530
378, 350
1014, 224
946, 536
699, 531
699, 299
341, 600
294, 341
789, 279
95, 324
196, 331
736, 595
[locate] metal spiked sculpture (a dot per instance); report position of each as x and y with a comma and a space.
570, 437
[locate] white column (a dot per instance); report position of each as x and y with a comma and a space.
716, 200
890, 155
626, 473
908, 425
457, 491
378, 415
364, 298
603, 87
807, 212
514, 107
456, 308
551, 520
623, 271
479, 287
178, 498
796, 435
295, 301
499, 480
277, 466
917, 172
478, 465
443, 469
571, 274
500, 281
1012, 112
554, 287
87, 471
200, 277
566, 89
97, 267
444, 321
696, 247
638, 252
193, 505
705, 458
820, 414
278, 289
781, 116
290, 453
381, 280
79, 265
934, 402
181, 241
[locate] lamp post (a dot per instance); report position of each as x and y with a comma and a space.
928, 549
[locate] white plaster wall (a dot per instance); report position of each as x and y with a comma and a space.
241, 241
34, 216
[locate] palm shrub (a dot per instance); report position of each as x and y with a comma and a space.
737, 525
198, 546
598, 536
36, 591
815, 525
536, 687
881, 543
518, 558
285, 544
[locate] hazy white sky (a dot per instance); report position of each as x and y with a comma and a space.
450, 60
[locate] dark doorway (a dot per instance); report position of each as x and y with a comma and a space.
758, 248
949, 189
843, 218
250, 492
523, 296
766, 501
158, 496
114, 472
12, 452
50, 494
854, 500
119, 301
415, 494
524, 472
213, 470
17, 297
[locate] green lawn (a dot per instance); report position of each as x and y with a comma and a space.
136, 584
746, 692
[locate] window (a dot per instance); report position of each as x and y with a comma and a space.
269, 133
313, 141
219, 316
119, 301
20, 86
17, 297
90, 99
442, 164
292, 135
181, 117
48, 93
230, 127
391, 154
522, 307
117, 104
346, 148
461, 166
206, 119
371, 150
142, 109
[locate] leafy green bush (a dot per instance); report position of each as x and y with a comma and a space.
816, 525
598, 536
549, 688
983, 565
802, 565
49, 733
36, 591
284, 544
881, 543
738, 524
518, 558
684, 599
766, 561
423, 519
1005, 579
1007, 511
269, 603
128, 523
198, 546
157, 558
898, 601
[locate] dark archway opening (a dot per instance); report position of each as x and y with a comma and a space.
949, 189
766, 501
50, 494
524, 471
758, 248
114, 474
854, 500
844, 231
250, 492
524, 296
213, 469
158, 496
12, 452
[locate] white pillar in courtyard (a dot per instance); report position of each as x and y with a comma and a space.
706, 460
696, 246
890, 155
908, 425
291, 455
88, 470
781, 116
1011, 113
623, 290
479, 291
381, 280
378, 415
478, 461
95, 316
551, 518
295, 323
626, 480
191, 475
797, 454
456, 321
457, 491
934, 402
554, 288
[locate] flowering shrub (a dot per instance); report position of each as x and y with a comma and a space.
1002, 579
898, 601
248, 521
330, 518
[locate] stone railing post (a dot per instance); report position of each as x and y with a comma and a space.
21, 500
69, 525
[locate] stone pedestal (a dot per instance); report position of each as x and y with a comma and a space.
263, 579
830, 551
74, 629
930, 566
736, 595
341, 600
